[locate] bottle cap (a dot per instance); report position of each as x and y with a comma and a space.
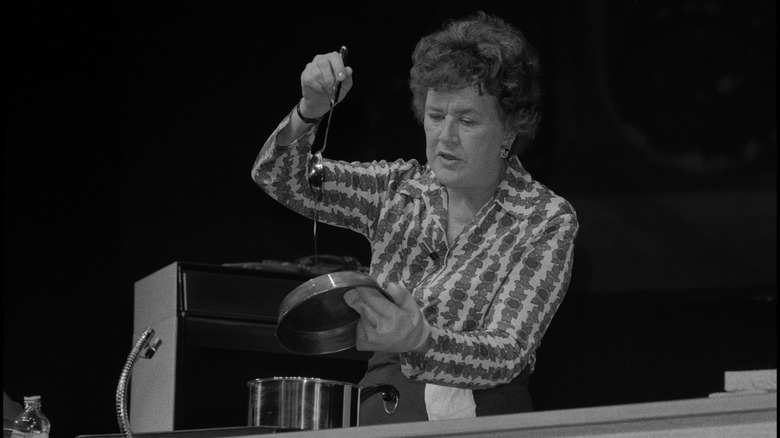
32, 398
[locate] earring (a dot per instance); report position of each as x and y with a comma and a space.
503, 152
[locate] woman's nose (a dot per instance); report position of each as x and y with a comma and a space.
449, 131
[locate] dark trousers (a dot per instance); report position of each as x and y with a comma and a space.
511, 398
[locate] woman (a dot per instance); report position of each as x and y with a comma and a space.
475, 254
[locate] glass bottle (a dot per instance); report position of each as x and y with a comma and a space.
31, 423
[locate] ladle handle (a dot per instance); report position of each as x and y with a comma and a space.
343, 53
390, 396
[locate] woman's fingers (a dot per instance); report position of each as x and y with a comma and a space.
319, 79
398, 293
346, 84
364, 301
324, 72
394, 324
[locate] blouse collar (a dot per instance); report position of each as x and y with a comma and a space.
514, 182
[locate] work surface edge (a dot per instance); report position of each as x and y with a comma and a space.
690, 413
733, 415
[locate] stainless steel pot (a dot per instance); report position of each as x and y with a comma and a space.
311, 404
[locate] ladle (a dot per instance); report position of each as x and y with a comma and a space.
315, 171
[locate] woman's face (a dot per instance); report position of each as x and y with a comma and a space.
464, 133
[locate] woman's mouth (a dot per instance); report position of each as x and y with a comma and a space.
447, 156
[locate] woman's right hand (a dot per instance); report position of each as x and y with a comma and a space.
318, 83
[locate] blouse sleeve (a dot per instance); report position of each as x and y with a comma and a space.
280, 171
518, 317
352, 191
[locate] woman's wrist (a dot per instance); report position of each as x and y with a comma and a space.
307, 114
293, 130
422, 345
303, 117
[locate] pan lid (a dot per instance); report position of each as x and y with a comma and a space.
315, 319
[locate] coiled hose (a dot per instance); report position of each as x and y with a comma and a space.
142, 344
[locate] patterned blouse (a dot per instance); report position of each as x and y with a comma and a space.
489, 296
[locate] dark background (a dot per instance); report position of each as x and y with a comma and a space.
129, 131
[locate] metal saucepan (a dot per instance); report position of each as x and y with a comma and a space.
311, 404
314, 319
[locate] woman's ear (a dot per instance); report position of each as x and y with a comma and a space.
509, 139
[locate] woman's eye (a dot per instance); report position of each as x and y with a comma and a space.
467, 122
435, 117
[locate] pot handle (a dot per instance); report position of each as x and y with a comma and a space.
390, 396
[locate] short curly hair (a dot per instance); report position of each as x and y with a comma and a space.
485, 52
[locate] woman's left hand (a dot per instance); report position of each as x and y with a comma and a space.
394, 326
